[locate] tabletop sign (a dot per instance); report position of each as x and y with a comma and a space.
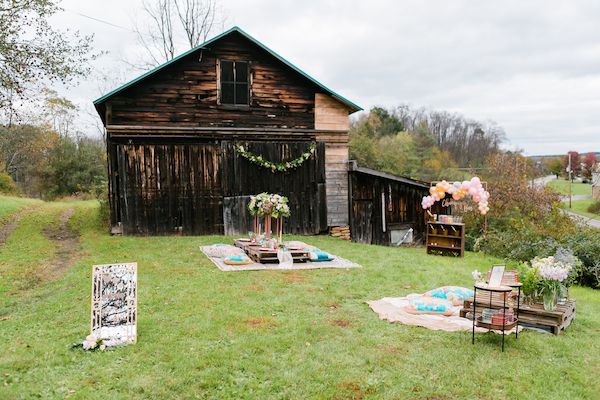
114, 303
496, 276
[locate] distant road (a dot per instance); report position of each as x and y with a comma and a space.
543, 181
580, 219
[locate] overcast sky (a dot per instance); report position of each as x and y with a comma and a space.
531, 66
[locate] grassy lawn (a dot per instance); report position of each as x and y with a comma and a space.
209, 334
581, 207
578, 188
11, 204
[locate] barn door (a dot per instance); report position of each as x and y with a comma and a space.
362, 221
169, 188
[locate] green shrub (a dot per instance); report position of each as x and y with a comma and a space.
7, 185
524, 245
585, 245
594, 208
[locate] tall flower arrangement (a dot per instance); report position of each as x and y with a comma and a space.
547, 278
269, 205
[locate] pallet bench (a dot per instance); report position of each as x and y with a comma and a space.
533, 315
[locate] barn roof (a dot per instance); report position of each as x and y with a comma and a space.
353, 167
352, 106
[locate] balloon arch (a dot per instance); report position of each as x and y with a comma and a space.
459, 190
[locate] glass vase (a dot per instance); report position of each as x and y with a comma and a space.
563, 295
550, 299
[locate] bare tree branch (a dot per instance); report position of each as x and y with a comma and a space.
175, 26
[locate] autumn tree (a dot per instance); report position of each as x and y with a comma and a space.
554, 165
589, 163
421, 143
32, 51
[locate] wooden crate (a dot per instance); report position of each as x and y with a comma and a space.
533, 315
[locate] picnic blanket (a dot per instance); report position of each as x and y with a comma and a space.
336, 262
394, 309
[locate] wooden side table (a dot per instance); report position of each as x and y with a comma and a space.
504, 292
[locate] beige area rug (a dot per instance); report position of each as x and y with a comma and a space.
337, 262
392, 309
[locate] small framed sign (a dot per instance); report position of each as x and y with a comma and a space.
496, 276
114, 303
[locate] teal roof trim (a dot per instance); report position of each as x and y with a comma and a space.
354, 107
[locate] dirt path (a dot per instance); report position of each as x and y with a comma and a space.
13, 221
67, 242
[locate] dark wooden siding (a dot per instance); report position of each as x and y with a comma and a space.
402, 205
185, 93
166, 187
304, 186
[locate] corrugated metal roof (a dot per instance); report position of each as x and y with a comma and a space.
353, 107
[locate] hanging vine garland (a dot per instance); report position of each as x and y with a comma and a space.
279, 167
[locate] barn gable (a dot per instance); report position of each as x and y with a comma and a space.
185, 90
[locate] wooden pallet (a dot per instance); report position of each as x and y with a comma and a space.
270, 256
262, 256
533, 315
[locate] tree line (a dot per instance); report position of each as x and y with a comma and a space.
44, 156
422, 143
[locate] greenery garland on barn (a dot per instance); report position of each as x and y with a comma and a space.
273, 166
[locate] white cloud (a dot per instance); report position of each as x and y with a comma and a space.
533, 67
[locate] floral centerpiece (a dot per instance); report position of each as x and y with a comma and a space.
549, 277
269, 205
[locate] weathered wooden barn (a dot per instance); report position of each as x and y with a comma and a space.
384, 207
173, 136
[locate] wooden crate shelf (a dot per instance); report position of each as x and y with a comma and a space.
448, 243
533, 315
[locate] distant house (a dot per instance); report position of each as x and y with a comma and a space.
173, 136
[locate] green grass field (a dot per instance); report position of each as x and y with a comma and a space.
578, 188
10, 205
581, 207
208, 334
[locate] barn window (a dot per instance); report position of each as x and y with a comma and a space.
235, 86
